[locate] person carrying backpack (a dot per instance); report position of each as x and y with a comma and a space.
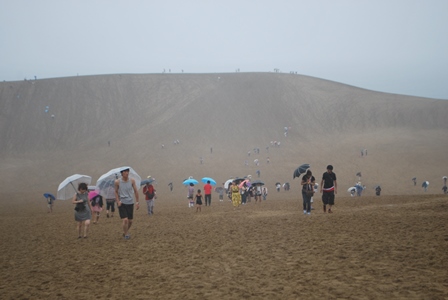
150, 195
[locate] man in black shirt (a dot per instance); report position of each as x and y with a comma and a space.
328, 188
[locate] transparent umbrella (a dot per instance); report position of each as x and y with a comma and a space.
69, 187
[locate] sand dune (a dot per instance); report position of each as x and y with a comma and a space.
233, 113
393, 246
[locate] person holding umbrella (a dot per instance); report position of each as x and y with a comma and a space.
307, 191
83, 209
278, 186
150, 194
208, 193
124, 187
50, 201
190, 194
328, 188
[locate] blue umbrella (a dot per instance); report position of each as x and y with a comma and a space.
190, 180
205, 179
150, 180
51, 196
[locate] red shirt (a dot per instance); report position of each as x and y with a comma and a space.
208, 189
149, 190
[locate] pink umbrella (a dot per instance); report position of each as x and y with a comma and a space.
93, 194
244, 181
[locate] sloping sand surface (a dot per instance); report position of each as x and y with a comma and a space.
330, 123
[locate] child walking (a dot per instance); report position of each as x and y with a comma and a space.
190, 195
198, 201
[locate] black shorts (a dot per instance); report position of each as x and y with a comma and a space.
110, 205
328, 198
126, 211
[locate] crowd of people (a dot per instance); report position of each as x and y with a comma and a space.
240, 191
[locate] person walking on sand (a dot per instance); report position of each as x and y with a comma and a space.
97, 207
307, 191
50, 203
328, 188
110, 202
198, 201
258, 193
244, 193
208, 193
221, 193
265, 193
236, 196
378, 190
124, 187
190, 195
150, 195
83, 209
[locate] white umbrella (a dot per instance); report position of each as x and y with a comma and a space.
226, 184
69, 187
107, 180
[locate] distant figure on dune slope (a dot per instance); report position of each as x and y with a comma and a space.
378, 190
425, 185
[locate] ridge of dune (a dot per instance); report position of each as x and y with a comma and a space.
233, 113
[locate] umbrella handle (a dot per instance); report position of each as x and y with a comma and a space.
73, 186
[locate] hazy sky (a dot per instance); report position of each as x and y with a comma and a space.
397, 46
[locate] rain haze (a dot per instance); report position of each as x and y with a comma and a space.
389, 46
369, 98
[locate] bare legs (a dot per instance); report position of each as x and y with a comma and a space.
86, 228
97, 217
126, 226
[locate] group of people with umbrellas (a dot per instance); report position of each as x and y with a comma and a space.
328, 187
119, 185
240, 190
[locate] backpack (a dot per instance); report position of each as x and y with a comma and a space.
150, 192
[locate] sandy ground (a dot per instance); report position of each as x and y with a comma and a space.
394, 246
388, 247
